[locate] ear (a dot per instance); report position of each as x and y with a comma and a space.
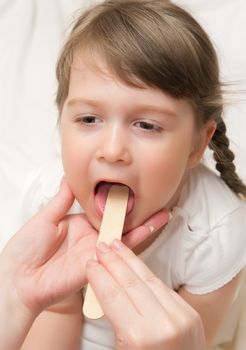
203, 139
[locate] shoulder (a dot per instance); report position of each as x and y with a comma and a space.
41, 186
214, 232
207, 199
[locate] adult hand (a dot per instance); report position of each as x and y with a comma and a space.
144, 313
45, 261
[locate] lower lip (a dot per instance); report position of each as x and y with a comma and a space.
130, 203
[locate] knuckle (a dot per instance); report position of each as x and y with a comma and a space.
174, 336
146, 340
146, 335
111, 293
132, 282
133, 339
153, 280
195, 316
191, 319
172, 331
110, 258
194, 322
183, 327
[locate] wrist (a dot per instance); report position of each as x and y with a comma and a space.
15, 320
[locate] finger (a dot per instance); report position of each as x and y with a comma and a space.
113, 299
59, 205
141, 233
167, 298
135, 287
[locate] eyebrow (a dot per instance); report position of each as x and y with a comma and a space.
141, 107
78, 101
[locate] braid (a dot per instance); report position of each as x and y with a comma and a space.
224, 159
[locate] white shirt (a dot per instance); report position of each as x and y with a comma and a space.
202, 248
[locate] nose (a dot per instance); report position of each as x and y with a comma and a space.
114, 147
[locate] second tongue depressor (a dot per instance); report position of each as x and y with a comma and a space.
111, 228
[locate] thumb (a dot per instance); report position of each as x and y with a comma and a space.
58, 206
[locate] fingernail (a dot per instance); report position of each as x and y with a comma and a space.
103, 247
151, 228
117, 245
170, 216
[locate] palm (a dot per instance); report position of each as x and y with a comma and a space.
57, 269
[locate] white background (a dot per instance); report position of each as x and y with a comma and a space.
31, 34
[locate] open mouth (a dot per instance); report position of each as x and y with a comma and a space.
101, 192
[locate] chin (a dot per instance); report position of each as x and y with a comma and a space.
95, 222
93, 219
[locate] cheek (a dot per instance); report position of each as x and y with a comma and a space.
164, 171
70, 157
74, 160
76, 174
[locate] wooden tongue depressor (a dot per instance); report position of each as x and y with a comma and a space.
111, 228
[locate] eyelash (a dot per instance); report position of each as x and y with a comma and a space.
89, 120
149, 127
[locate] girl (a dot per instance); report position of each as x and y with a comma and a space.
140, 99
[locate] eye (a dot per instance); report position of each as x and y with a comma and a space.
148, 126
88, 120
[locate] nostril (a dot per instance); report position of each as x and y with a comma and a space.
113, 153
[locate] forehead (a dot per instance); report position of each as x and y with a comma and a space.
93, 80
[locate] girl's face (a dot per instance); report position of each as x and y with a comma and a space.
112, 132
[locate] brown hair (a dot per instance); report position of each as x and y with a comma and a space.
159, 44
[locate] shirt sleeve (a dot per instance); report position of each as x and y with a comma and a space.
213, 261
40, 187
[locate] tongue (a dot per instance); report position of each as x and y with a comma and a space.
101, 197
